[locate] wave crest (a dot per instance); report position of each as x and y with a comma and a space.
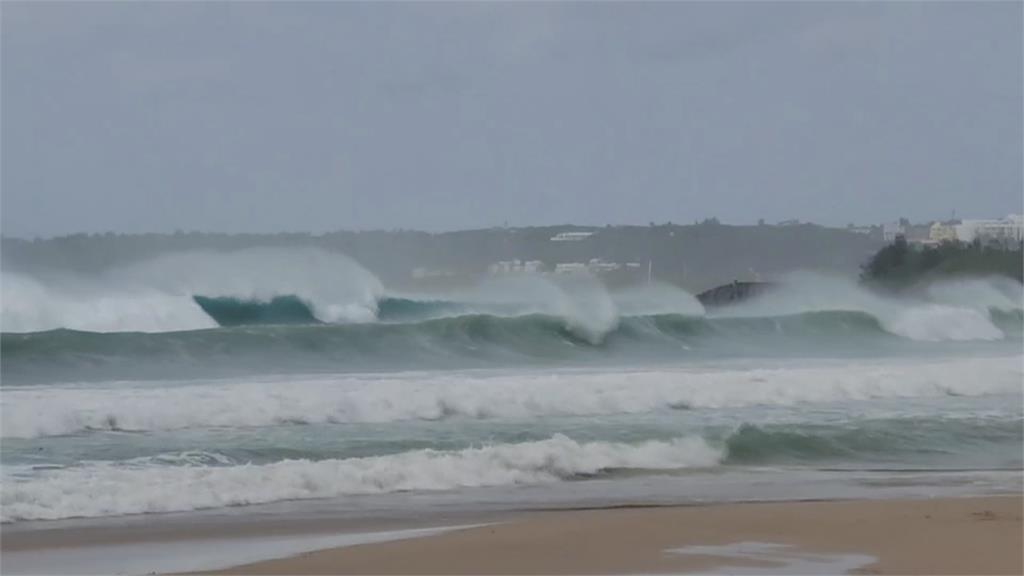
103, 489
34, 411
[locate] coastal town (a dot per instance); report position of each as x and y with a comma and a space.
995, 231
696, 256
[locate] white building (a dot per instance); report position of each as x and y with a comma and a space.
597, 266
891, 230
533, 266
940, 232
593, 266
1009, 229
515, 267
571, 236
570, 268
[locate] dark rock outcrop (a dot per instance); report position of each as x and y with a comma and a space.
732, 293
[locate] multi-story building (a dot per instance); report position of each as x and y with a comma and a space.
1009, 229
891, 230
570, 268
942, 232
571, 236
515, 267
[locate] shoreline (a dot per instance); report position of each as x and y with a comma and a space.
952, 535
968, 535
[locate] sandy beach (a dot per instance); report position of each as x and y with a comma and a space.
938, 536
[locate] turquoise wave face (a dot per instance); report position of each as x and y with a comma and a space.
393, 309
282, 310
469, 341
228, 311
933, 439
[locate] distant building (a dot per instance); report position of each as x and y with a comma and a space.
1009, 229
598, 266
918, 233
570, 268
515, 267
891, 230
593, 266
571, 236
942, 232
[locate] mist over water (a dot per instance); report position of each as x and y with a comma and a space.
263, 375
306, 310
158, 295
945, 310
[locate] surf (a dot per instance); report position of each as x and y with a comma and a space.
160, 295
210, 479
295, 400
471, 341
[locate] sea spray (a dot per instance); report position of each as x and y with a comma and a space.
158, 295
31, 305
950, 310
654, 299
996, 292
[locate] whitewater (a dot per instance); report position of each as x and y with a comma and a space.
206, 380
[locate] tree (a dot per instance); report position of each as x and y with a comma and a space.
888, 261
900, 265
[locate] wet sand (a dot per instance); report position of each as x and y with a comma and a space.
938, 536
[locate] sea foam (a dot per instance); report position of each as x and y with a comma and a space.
108, 488
36, 411
157, 295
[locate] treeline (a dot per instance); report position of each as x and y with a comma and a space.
694, 256
901, 264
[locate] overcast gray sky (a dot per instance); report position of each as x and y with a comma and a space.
240, 116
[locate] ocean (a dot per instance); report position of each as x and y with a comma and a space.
294, 378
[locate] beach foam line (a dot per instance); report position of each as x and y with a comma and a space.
175, 556
773, 558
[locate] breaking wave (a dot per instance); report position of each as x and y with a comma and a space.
181, 481
160, 295
143, 486
276, 310
228, 311
474, 341
293, 374
896, 440
36, 411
